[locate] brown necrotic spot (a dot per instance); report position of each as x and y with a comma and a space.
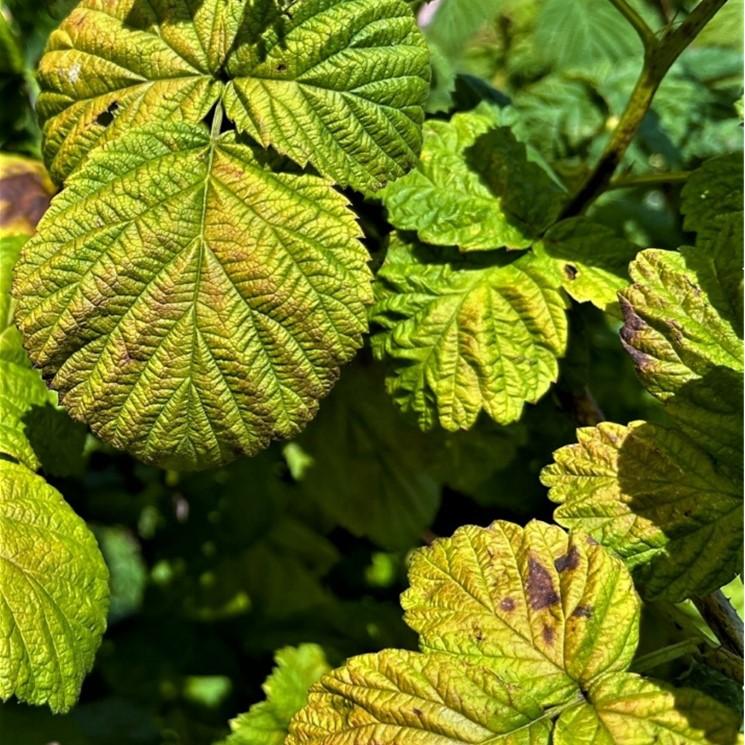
540, 588
507, 604
583, 611
571, 271
548, 634
570, 560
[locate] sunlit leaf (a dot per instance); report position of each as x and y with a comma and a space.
543, 609
655, 498
187, 303
286, 689
464, 336
470, 186
54, 586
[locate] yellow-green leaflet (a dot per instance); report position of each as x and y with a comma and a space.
466, 334
54, 590
337, 83
188, 303
526, 637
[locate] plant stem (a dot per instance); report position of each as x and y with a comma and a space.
650, 180
658, 58
640, 25
665, 654
723, 620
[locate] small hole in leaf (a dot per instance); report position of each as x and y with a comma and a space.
571, 271
106, 117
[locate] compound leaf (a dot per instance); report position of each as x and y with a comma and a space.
543, 609
468, 336
53, 584
449, 200
657, 500
526, 635
625, 709
422, 699
338, 84
286, 689
187, 303
341, 85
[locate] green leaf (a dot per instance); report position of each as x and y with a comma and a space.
369, 463
558, 115
593, 261
456, 21
470, 191
712, 197
22, 395
624, 709
127, 570
466, 336
10, 247
286, 691
542, 609
53, 582
187, 303
337, 84
11, 58
655, 498
397, 696
584, 34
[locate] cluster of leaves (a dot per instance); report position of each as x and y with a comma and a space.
226, 169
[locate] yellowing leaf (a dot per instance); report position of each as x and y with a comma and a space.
678, 326
25, 191
340, 84
53, 585
625, 709
417, 699
683, 328
111, 67
657, 500
187, 303
468, 335
526, 635
541, 608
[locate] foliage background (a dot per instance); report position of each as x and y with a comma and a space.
211, 573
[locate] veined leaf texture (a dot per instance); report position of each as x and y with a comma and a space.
187, 302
